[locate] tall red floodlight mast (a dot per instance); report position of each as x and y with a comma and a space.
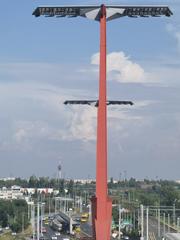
101, 203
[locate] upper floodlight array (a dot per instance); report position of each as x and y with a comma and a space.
112, 12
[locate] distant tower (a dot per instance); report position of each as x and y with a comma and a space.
59, 171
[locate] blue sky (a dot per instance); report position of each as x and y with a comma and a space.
44, 61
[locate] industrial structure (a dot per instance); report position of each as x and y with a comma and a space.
59, 167
101, 203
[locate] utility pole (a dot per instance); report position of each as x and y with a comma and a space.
42, 215
22, 222
168, 223
159, 230
139, 222
67, 210
80, 202
142, 222
29, 211
33, 219
174, 214
64, 205
38, 221
49, 204
147, 223
60, 205
134, 218
119, 237
55, 205
164, 223
178, 224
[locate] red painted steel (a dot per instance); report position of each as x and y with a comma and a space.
102, 204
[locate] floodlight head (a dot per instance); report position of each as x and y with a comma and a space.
112, 12
96, 102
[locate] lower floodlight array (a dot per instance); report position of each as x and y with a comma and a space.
96, 102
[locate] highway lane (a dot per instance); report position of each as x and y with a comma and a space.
172, 236
86, 228
153, 228
50, 233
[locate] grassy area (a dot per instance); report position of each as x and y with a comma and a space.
8, 236
19, 236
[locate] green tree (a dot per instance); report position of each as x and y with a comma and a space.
70, 187
61, 186
33, 182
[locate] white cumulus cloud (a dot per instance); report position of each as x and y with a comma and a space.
121, 68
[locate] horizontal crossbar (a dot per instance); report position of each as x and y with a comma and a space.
94, 11
96, 102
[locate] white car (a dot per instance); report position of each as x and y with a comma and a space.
57, 233
54, 237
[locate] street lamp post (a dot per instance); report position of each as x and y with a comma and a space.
55, 205
119, 221
49, 205
38, 220
178, 224
101, 203
168, 223
142, 222
174, 214
33, 219
159, 223
164, 223
42, 215
147, 223
65, 203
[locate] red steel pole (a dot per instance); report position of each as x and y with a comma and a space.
103, 203
101, 168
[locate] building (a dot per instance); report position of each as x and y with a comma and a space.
11, 193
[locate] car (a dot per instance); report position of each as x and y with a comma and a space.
57, 233
78, 219
77, 229
125, 237
54, 237
13, 233
44, 230
42, 238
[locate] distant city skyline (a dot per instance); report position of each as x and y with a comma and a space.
45, 61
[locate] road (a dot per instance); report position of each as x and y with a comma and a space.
172, 236
153, 228
86, 228
50, 232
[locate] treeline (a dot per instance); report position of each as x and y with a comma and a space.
163, 194
32, 182
147, 192
36, 182
14, 214
133, 183
46, 182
